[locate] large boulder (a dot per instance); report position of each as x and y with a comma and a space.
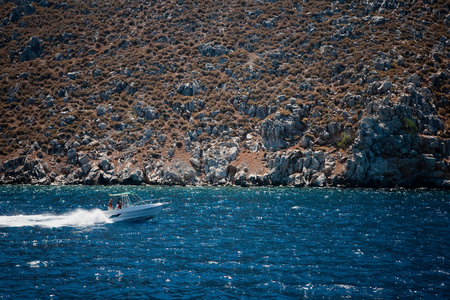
145, 111
213, 50
19, 11
188, 89
276, 133
132, 176
32, 50
83, 159
105, 164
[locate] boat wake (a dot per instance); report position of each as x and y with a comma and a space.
78, 218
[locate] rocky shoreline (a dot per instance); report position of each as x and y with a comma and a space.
225, 164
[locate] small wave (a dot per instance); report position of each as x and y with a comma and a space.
37, 264
78, 218
303, 208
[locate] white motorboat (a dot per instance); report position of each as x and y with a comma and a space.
130, 207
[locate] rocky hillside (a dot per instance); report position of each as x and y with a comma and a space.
263, 92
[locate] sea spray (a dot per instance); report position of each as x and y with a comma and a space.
77, 218
82, 218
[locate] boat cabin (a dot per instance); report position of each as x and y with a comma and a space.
123, 200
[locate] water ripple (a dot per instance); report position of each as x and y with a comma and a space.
226, 243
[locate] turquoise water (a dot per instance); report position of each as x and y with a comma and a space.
230, 243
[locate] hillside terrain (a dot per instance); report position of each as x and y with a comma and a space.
264, 92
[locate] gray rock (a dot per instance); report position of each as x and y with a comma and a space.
38, 171
22, 10
383, 63
240, 178
162, 138
86, 168
315, 164
320, 180
120, 86
72, 156
269, 23
304, 86
195, 163
429, 162
210, 50
438, 78
189, 89
101, 111
334, 128
281, 98
32, 50
190, 177
253, 13
415, 79
232, 154
431, 142
69, 119
132, 176
400, 61
97, 72
209, 67
261, 112
73, 75
59, 57
104, 178
49, 102
105, 164
384, 87
305, 141
220, 173
13, 94
92, 174
137, 176
296, 180
147, 112
411, 89
328, 50
84, 159
105, 95
378, 20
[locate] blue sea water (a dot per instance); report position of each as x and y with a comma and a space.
229, 243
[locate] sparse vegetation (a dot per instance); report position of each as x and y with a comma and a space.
345, 141
120, 54
410, 126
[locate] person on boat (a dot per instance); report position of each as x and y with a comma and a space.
110, 205
119, 204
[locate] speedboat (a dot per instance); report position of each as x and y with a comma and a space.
130, 207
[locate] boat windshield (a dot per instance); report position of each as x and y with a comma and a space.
124, 200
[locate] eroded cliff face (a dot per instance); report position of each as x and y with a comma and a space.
247, 93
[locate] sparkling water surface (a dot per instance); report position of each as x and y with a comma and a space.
229, 243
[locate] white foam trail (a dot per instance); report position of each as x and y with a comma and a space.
78, 218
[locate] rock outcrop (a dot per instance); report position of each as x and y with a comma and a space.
32, 50
284, 129
388, 150
213, 50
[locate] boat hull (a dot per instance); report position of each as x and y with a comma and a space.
135, 213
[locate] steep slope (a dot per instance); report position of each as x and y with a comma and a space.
235, 92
